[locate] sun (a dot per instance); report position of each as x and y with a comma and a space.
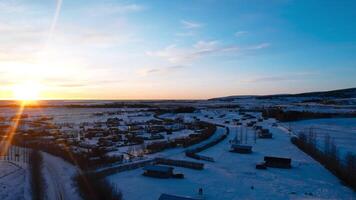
28, 91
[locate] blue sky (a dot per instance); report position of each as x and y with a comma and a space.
176, 49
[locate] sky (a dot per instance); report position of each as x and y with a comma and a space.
198, 49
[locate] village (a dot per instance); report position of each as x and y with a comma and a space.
129, 146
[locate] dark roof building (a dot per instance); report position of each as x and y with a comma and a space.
277, 162
239, 148
158, 171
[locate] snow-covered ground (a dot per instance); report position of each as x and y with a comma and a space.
233, 176
58, 175
14, 183
341, 130
79, 115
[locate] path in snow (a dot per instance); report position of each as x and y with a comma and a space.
58, 176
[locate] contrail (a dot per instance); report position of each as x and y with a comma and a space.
54, 20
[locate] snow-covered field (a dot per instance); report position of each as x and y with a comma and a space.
341, 130
13, 181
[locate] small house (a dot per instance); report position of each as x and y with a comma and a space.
239, 148
158, 171
277, 162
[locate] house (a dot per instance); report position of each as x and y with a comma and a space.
174, 197
277, 162
158, 171
239, 148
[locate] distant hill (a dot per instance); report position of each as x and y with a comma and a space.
342, 93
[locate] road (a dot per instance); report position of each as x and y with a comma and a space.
58, 176
55, 189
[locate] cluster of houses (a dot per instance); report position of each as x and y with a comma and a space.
112, 136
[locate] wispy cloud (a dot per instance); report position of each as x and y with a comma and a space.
259, 46
241, 33
190, 24
186, 34
145, 72
99, 38
281, 78
70, 83
201, 48
108, 9
11, 7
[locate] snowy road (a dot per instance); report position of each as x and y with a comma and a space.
58, 176
55, 190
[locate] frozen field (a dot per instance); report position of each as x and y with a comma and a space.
341, 130
79, 115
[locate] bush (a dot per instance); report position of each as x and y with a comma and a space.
36, 176
329, 157
286, 116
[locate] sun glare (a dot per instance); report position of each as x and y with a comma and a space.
26, 91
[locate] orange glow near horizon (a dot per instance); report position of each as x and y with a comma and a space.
27, 92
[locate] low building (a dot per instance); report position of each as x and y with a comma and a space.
239, 148
277, 162
158, 171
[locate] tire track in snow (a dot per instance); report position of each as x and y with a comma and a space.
54, 183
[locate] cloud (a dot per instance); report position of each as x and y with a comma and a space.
11, 7
259, 46
190, 24
202, 48
281, 78
185, 34
174, 54
145, 72
240, 33
103, 39
108, 9
70, 83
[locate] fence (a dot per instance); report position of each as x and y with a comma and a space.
16, 154
192, 153
123, 167
180, 163
135, 165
